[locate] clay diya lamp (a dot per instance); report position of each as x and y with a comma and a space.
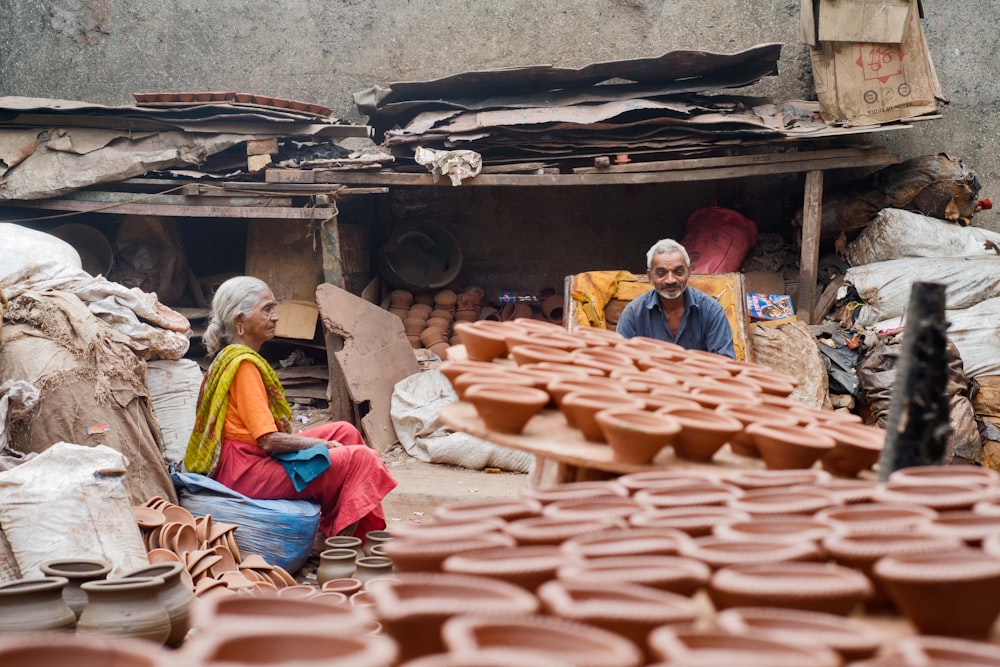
861, 552
771, 479
625, 609
637, 481
807, 586
771, 382
506, 408
568, 370
568, 490
945, 593
940, 497
528, 566
713, 396
921, 650
558, 389
701, 368
778, 529
857, 448
851, 638
626, 542
636, 436
452, 369
832, 417
507, 509
674, 574
410, 555
533, 353
741, 443
556, 638
718, 552
868, 518
651, 345
603, 359
497, 375
412, 607
346, 585
695, 521
581, 408
703, 433
965, 525
483, 340
596, 337
787, 446
691, 495
675, 646
657, 402
250, 612
783, 501
851, 491
552, 530
610, 507
960, 475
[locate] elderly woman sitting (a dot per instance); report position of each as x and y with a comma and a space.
242, 436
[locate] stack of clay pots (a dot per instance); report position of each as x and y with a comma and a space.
428, 317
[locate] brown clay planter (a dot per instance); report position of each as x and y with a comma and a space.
550, 530
820, 587
599, 337
961, 475
742, 444
610, 507
713, 647
410, 555
637, 481
533, 353
771, 382
496, 375
851, 491
770, 479
506, 408
636, 436
452, 369
712, 397
778, 529
674, 574
703, 433
785, 446
940, 497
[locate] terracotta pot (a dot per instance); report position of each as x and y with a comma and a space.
515, 310
76, 571
549, 530
967, 526
637, 481
851, 491
496, 375
401, 313
961, 475
34, 605
50, 649
603, 359
787, 446
674, 574
771, 382
710, 396
345, 542
346, 585
176, 596
433, 335
401, 298
703, 432
940, 497
525, 566
711, 647
626, 542
412, 555
558, 638
625, 609
869, 518
506, 408
919, 650
581, 410
489, 657
636, 436
772, 479
851, 638
742, 444
820, 587
857, 448
568, 490
373, 537
412, 608
718, 553
696, 521
414, 340
440, 349
508, 509
784, 501
607, 507
552, 307
533, 353
559, 388
372, 567
125, 608
336, 563
690, 495
778, 529
423, 304
442, 323
449, 529
599, 337
483, 340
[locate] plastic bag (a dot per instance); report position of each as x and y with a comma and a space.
23, 246
173, 393
718, 239
281, 531
894, 233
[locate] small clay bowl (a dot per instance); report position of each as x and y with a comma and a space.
568, 490
765, 479
703, 432
610, 507
857, 448
550, 530
718, 553
940, 497
636, 436
851, 491
505, 509
506, 408
560, 387
532, 353
770, 382
945, 593
483, 340
960, 475
778, 529
626, 542
820, 587
711, 396
713, 648
581, 408
410, 555
658, 401
851, 638
497, 375
674, 574
868, 518
637, 481
789, 446
147, 517
967, 526
695, 521
701, 495
783, 501
526, 566
452, 369
742, 444
921, 650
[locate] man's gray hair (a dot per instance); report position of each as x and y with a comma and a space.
666, 245
235, 296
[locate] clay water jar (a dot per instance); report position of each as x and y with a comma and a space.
857, 447
625, 609
125, 608
176, 595
344, 542
372, 567
944, 593
695, 521
677, 646
851, 638
554, 530
412, 608
961, 475
336, 564
557, 638
674, 574
703, 433
51, 649
525, 566
76, 571
784, 501
483, 340
636, 436
506, 408
807, 586
606, 507
569, 490
626, 542
718, 552
581, 408
35, 604
689, 495
874, 518
788, 446
497, 375
940, 497
784, 529
415, 555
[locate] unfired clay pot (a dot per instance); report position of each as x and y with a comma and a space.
867, 518
176, 596
695, 521
963, 475
606, 507
506, 408
691, 495
940, 497
720, 552
483, 340
626, 542
508, 509
857, 448
784, 501
35, 605
336, 563
554, 530
76, 571
414, 555
125, 608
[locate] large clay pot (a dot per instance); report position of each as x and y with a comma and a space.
35, 604
506, 408
821, 587
125, 608
76, 571
176, 596
713, 647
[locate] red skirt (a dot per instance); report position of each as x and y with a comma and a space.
350, 490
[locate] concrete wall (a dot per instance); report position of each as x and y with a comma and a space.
323, 50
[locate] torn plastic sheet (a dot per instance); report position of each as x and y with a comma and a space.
457, 165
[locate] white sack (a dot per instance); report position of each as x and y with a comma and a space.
415, 410
884, 287
173, 393
70, 502
23, 246
894, 233
975, 331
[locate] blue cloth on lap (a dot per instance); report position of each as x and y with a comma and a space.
304, 465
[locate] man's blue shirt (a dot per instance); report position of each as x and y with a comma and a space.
703, 325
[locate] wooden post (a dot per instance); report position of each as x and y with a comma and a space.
812, 211
919, 425
341, 405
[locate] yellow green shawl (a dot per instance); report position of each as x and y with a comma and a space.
202, 455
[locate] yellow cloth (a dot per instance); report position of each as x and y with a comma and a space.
595, 289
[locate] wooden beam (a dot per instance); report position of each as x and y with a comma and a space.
735, 160
219, 198
254, 212
812, 210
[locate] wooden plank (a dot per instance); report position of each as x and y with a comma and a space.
812, 210
733, 160
218, 198
242, 212
376, 355
289, 176
282, 255
333, 265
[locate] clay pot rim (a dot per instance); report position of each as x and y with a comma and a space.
783, 500
792, 435
578, 546
600, 400
703, 420
651, 478
690, 494
925, 475
505, 560
924, 648
625, 568
719, 552
57, 567
640, 421
512, 393
801, 579
749, 414
478, 512
949, 566
844, 634
403, 547
432, 593
638, 603
862, 514
871, 546
769, 479
591, 489
669, 643
801, 528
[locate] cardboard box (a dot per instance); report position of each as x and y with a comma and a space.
868, 83
877, 21
297, 319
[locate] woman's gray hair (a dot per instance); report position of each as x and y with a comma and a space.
666, 245
235, 296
